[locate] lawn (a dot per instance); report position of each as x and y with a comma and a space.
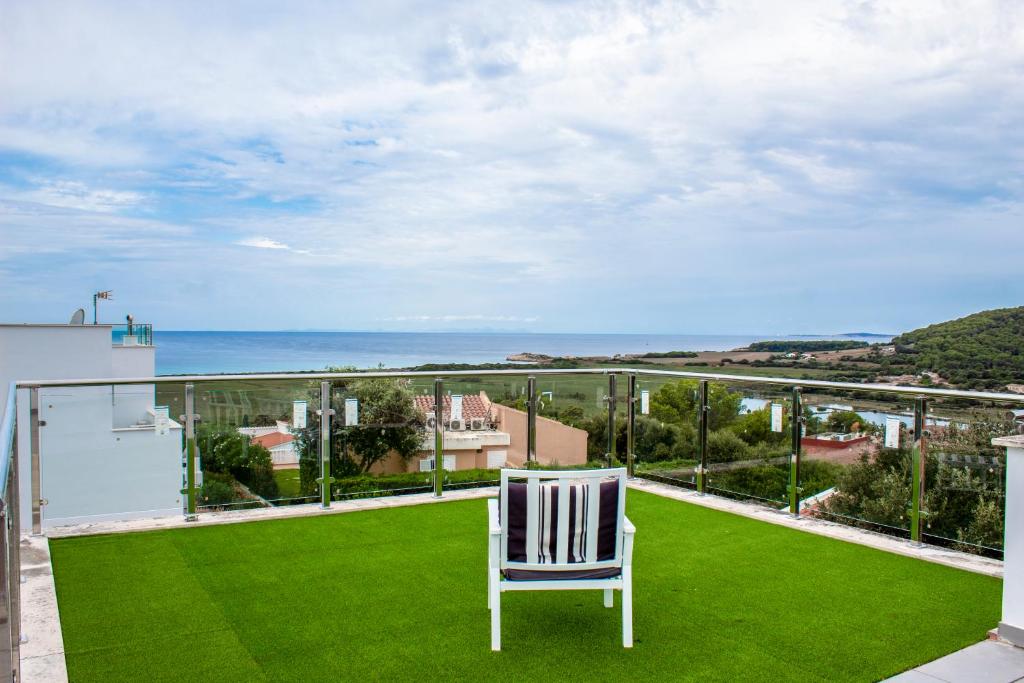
400, 593
288, 483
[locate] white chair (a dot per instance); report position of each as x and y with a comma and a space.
560, 531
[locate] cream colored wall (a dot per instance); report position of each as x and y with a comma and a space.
556, 442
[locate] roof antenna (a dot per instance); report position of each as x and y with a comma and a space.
78, 317
106, 294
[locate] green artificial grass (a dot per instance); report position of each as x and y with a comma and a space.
400, 594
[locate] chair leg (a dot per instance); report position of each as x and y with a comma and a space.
495, 612
609, 597
489, 604
627, 607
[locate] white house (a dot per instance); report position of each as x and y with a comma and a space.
101, 455
277, 439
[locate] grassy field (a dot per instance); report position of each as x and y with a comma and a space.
287, 483
399, 594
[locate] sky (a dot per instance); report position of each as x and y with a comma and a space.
688, 167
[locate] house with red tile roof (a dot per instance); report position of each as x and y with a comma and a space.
279, 440
488, 435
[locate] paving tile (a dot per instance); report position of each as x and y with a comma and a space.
985, 662
912, 676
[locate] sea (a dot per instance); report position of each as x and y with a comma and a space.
209, 352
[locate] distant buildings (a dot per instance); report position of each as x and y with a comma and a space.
279, 440
488, 436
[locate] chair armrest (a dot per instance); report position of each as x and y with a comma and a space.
627, 526
493, 525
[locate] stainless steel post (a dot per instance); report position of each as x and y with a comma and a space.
326, 412
531, 419
920, 458
37, 485
796, 420
15, 555
704, 399
631, 399
612, 389
438, 437
190, 452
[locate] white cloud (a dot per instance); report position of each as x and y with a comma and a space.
527, 162
262, 243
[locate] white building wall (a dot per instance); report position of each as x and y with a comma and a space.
90, 469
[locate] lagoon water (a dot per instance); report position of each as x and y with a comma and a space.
200, 352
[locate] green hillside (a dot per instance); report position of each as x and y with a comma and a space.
981, 351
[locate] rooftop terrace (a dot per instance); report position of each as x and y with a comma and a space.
206, 567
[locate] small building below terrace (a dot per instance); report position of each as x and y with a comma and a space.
488, 436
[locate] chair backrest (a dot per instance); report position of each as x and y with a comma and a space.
570, 519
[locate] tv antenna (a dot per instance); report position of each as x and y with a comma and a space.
107, 294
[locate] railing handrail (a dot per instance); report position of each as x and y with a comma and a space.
399, 374
7, 434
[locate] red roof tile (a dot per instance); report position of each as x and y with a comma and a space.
473, 406
272, 439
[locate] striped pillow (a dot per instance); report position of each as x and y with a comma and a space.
579, 529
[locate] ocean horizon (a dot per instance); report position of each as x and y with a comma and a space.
207, 352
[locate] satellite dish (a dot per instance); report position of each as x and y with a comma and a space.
78, 317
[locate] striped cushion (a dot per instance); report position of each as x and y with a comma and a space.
579, 531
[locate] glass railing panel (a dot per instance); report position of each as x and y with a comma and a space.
108, 453
667, 438
137, 334
484, 428
749, 442
381, 443
251, 440
857, 454
572, 421
965, 476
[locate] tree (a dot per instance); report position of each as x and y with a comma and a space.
224, 450
388, 423
756, 427
677, 403
845, 421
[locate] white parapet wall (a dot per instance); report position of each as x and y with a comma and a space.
1011, 625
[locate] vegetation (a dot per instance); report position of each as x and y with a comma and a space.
223, 451
981, 351
963, 502
671, 354
808, 346
389, 423
247, 602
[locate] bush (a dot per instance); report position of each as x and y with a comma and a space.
217, 489
725, 446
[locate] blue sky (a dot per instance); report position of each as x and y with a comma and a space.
690, 167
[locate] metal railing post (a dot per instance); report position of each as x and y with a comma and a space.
438, 437
326, 413
612, 389
531, 419
189, 418
796, 427
15, 555
919, 460
631, 399
704, 397
37, 486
